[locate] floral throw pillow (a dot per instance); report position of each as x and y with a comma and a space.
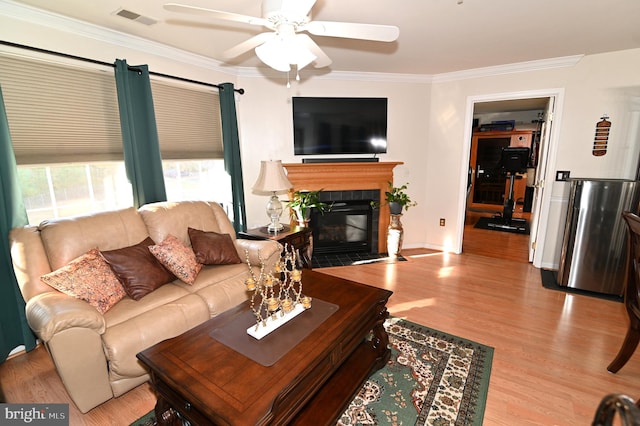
89, 278
177, 258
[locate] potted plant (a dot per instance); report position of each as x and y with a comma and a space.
303, 201
397, 199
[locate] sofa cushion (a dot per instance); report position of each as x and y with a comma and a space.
221, 286
89, 278
175, 218
67, 238
137, 269
177, 258
128, 308
152, 324
212, 248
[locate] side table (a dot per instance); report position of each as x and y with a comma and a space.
298, 237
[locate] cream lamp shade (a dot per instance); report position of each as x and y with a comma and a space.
272, 179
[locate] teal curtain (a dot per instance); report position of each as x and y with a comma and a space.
231, 146
14, 330
139, 133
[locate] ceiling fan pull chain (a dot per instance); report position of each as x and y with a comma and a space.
297, 73
288, 81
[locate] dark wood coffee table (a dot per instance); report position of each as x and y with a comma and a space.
198, 378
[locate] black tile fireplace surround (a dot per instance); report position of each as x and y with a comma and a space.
351, 226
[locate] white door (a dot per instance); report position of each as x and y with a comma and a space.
543, 155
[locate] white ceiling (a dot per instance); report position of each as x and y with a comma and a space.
436, 36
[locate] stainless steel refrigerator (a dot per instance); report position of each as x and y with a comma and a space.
594, 245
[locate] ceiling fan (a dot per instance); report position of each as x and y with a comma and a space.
286, 44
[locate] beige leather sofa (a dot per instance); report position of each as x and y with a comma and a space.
95, 354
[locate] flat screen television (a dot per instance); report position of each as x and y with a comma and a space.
339, 125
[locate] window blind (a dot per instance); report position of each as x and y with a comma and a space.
188, 121
59, 113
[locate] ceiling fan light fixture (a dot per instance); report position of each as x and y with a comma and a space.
299, 54
281, 52
272, 55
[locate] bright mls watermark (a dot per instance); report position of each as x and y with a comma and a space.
34, 414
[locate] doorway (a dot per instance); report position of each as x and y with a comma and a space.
496, 196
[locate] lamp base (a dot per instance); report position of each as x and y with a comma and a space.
275, 227
274, 211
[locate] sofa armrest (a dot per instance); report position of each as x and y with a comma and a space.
268, 250
52, 312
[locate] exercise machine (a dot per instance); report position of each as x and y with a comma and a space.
513, 160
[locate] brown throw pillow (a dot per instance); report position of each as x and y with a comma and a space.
178, 258
137, 269
212, 248
89, 278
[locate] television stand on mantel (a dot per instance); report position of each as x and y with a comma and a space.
341, 160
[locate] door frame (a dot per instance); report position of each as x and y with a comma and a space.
540, 169
551, 153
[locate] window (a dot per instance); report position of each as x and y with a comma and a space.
69, 189
190, 134
65, 130
197, 180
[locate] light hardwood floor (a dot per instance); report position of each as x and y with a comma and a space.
551, 348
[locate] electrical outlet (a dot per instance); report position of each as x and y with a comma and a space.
442, 221
562, 175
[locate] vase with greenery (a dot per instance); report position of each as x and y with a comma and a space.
303, 201
398, 200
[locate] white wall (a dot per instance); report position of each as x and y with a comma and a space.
266, 130
595, 85
427, 121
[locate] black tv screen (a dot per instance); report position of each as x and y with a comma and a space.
339, 125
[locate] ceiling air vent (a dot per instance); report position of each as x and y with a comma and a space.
135, 17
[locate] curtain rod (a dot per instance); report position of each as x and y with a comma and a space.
106, 64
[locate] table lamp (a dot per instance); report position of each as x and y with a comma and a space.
272, 179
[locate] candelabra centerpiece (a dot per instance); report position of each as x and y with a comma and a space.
276, 295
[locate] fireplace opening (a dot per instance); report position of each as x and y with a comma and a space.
346, 228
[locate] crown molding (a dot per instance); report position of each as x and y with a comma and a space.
74, 26
543, 64
528, 66
328, 74
376, 77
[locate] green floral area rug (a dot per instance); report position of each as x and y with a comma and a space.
432, 378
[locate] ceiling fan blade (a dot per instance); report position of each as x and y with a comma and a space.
248, 44
352, 30
322, 60
215, 14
